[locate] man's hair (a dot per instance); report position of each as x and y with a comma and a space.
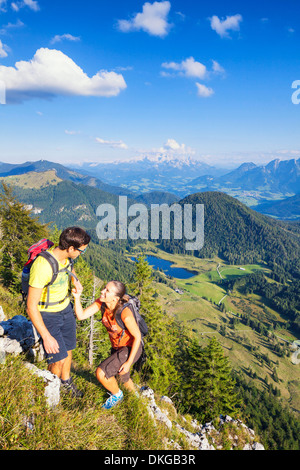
73, 236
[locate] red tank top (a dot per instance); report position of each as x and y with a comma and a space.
117, 336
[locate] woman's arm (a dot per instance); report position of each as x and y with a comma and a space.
134, 330
81, 313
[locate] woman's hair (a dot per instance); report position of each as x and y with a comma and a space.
120, 290
73, 236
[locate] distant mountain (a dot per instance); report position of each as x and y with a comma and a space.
62, 172
276, 177
160, 173
287, 209
238, 234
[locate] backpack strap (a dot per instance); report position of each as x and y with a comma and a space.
55, 270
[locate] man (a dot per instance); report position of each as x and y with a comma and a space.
52, 312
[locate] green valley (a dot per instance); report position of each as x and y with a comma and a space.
260, 352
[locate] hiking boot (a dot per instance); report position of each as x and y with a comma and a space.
113, 400
69, 386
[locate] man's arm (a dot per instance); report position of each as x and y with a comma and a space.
50, 343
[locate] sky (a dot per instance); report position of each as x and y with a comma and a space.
100, 81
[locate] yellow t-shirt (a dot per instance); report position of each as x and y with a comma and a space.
41, 274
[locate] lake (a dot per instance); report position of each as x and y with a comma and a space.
164, 265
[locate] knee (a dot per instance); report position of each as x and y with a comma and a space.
100, 374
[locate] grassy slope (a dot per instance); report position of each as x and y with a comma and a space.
33, 181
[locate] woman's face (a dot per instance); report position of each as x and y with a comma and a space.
108, 294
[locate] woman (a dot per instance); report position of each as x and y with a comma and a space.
126, 344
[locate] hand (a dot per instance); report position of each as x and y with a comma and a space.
50, 345
77, 287
124, 369
76, 293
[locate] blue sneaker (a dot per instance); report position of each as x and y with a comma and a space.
113, 400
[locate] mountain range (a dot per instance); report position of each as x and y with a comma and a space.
62, 172
277, 177
269, 189
250, 183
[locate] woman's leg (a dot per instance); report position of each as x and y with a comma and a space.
129, 385
110, 384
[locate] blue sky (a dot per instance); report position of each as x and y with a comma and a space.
100, 81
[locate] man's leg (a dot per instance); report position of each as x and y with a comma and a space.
56, 368
66, 367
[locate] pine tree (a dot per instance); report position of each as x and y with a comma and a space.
19, 230
209, 388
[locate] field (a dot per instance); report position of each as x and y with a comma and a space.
198, 307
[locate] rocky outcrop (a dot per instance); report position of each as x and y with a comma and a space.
52, 388
223, 433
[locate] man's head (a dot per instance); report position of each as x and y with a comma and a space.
74, 240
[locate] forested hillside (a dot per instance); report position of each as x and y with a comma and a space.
240, 235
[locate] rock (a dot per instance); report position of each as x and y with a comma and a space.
160, 416
166, 399
10, 346
2, 315
257, 446
193, 439
204, 444
206, 433
52, 389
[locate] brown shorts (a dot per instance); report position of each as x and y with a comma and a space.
112, 364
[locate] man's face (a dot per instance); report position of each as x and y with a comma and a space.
75, 252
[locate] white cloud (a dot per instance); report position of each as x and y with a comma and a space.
111, 143
15, 7
72, 132
188, 67
2, 5
173, 148
217, 68
231, 23
50, 73
68, 37
3, 52
153, 20
10, 26
32, 4
203, 91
